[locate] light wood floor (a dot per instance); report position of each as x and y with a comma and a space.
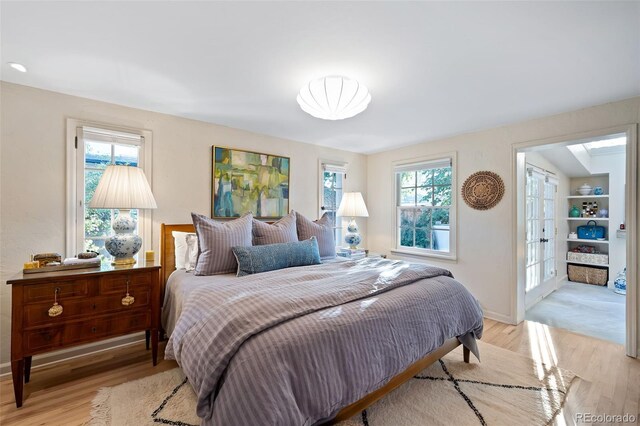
61, 394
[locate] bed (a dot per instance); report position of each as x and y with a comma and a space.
327, 359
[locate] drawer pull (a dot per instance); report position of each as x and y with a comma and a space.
93, 329
56, 309
128, 300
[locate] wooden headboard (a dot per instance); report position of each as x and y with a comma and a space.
167, 248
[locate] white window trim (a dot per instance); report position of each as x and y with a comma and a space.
453, 209
75, 207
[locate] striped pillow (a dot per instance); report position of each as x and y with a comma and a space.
322, 229
215, 241
282, 231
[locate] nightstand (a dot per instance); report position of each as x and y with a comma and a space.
93, 309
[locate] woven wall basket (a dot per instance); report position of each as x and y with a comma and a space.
482, 190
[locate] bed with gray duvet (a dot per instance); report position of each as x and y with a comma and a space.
295, 346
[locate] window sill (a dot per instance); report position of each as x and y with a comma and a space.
416, 253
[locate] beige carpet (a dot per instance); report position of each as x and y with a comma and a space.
506, 388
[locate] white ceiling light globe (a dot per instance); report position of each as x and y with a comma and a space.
333, 97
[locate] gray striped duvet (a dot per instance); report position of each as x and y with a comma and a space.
293, 347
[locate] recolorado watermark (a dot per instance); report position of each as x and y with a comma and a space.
606, 418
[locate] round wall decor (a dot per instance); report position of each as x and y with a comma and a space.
482, 190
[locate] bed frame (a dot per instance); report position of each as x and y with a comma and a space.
167, 262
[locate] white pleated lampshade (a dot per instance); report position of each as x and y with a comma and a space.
352, 205
334, 97
123, 187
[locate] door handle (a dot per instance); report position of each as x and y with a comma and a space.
544, 240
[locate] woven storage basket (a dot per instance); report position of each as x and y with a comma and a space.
588, 275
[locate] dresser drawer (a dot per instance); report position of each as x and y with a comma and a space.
38, 313
43, 339
113, 302
46, 291
118, 283
112, 325
131, 323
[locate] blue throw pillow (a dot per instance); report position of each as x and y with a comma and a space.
255, 259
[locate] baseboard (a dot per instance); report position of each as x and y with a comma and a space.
499, 317
78, 351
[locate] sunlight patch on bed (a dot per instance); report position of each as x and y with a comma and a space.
332, 313
366, 303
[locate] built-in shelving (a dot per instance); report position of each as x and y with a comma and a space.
580, 201
581, 240
587, 196
587, 263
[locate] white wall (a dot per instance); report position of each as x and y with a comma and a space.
614, 164
485, 242
32, 172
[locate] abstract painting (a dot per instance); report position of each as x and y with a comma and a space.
245, 181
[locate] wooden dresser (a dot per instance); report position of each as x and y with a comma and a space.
92, 309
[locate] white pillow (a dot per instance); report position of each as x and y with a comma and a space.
186, 249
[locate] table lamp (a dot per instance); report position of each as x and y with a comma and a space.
123, 188
352, 205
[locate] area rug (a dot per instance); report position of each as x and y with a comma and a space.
505, 388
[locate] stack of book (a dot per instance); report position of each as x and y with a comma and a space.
353, 254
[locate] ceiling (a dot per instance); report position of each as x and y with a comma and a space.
433, 69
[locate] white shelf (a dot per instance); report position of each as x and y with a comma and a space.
588, 196
606, 219
588, 263
578, 240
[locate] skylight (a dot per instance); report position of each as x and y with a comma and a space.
607, 143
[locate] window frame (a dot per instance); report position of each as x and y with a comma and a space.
453, 209
337, 167
75, 183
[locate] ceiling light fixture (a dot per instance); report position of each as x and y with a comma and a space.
17, 66
333, 97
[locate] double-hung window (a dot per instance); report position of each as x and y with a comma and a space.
331, 188
93, 149
425, 208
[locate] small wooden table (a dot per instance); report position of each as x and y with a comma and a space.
92, 309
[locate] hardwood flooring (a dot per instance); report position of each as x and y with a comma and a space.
61, 394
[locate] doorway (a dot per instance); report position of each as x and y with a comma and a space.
568, 280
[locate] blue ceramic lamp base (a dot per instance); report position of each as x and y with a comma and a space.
352, 237
124, 244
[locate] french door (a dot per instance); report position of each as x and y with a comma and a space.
541, 236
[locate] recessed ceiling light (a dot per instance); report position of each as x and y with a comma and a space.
17, 66
333, 97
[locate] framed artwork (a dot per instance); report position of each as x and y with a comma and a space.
245, 181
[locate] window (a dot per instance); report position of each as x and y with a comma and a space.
93, 149
425, 212
331, 188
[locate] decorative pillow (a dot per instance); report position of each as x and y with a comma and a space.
282, 231
256, 259
322, 229
186, 249
216, 240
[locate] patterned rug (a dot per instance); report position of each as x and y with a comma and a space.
505, 388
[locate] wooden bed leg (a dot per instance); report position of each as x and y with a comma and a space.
465, 354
